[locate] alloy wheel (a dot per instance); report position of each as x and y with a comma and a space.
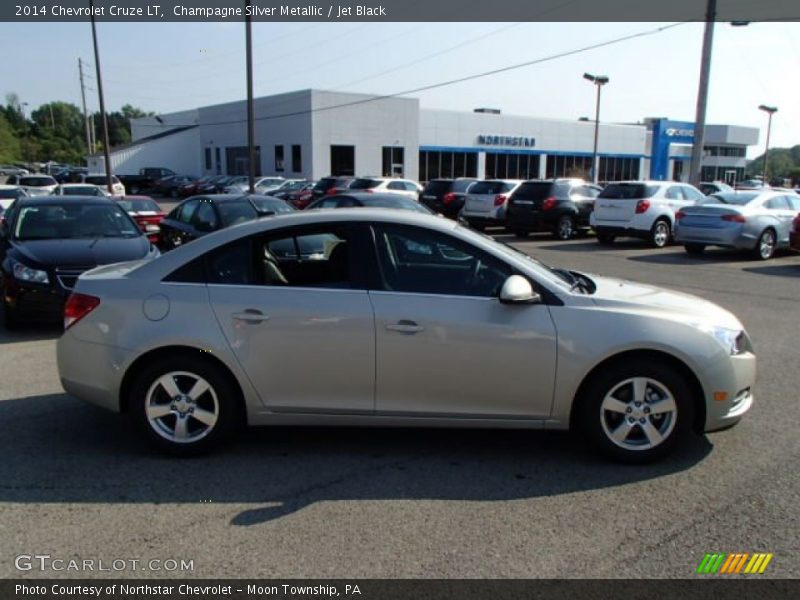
766, 245
660, 234
182, 407
638, 414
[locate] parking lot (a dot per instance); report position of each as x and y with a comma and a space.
75, 482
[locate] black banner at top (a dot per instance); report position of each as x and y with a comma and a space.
397, 10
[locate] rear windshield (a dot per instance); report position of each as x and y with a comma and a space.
462, 185
236, 212
37, 181
737, 199
438, 187
399, 202
628, 191
364, 184
142, 205
100, 179
490, 187
539, 190
82, 190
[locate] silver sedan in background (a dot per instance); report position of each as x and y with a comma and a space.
759, 221
382, 317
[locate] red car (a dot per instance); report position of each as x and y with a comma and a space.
146, 212
794, 234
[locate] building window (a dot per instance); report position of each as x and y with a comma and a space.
237, 160
343, 160
436, 165
501, 165
279, 158
218, 160
393, 161
297, 158
612, 168
208, 159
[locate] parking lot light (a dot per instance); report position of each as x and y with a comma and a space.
599, 81
770, 110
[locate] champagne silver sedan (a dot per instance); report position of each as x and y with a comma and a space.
380, 317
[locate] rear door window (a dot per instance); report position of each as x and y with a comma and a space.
491, 187
628, 191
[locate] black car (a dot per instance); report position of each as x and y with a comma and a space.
446, 196
561, 206
199, 215
371, 200
46, 242
329, 185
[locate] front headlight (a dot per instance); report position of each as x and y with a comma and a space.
733, 340
25, 273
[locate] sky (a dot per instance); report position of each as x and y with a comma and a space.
165, 67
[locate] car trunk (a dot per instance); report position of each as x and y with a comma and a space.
617, 202
481, 196
708, 216
530, 196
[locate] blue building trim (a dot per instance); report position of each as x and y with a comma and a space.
473, 150
666, 133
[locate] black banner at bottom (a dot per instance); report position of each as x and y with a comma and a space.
400, 589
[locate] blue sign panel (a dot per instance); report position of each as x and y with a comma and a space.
665, 133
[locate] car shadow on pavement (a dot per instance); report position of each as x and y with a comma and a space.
30, 333
678, 256
790, 270
58, 450
591, 245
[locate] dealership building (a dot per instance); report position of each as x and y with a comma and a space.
313, 133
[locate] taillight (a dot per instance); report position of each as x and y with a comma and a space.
448, 198
77, 307
679, 215
500, 199
549, 203
642, 206
734, 218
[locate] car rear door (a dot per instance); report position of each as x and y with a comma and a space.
445, 345
294, 308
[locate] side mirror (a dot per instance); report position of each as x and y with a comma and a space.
518, 290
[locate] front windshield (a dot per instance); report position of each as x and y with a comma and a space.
73, 220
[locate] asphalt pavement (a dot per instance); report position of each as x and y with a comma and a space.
77, 483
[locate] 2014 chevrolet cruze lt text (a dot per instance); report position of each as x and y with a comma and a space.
386, 317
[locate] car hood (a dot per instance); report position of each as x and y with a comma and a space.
81, 252
686, 308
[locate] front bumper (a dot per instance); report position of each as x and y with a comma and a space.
34, 302
735, 380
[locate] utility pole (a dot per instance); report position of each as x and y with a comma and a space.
52, 118
89, 149
106, 155
695, 169
251, 149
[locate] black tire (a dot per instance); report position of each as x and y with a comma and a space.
694, 249
766, 244
606, 238
10, 318
521, 233
223, 398
596, 424
660, 233
565, 228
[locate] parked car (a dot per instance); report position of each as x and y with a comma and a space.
80, 189
714, 187
9, 193
12, 170
635, 369
271, 189
146, 212
446, 196
35, 185
47, 242
561, 206
200, 215
330, 185
145, 180
387, 185
794, 234
261, 184
759, 221
171, 185
750, 184
643, 209
376, 200
100, 179
292, 189
213, 185
485, 203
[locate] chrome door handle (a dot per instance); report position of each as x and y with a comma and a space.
405, 326
251, 316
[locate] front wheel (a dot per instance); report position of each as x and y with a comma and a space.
636, 411
565, 228
660, 234
184, 405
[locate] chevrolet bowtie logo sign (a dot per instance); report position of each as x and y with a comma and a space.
743, 562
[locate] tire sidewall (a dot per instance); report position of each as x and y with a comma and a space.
588, 423
655, 228
228, 398
557, 231
758, 244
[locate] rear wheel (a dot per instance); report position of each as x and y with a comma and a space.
565, 228
765, 247
636, 411
695, 249
660, 233
184, 405
606, 238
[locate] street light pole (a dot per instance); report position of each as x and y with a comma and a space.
103, 120
770, 110
251, 149
702, 95
599, 81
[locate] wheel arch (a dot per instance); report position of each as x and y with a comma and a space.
171, 352
698, 395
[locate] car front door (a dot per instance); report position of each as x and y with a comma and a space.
445, 345
295, 311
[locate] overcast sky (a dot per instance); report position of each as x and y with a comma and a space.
165, 67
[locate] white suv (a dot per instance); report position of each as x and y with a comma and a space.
99, 180
643, 209
387, 185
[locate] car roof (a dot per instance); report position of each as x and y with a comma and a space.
34, 200
367, 196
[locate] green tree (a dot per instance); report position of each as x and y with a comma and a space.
10, 149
